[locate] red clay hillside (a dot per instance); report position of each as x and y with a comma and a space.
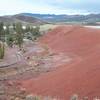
81, 75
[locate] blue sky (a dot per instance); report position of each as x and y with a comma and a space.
9, 7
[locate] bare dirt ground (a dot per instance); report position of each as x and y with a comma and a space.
36, 60
64, 62
79, 76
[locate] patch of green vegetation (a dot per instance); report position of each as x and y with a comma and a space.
2, 51
46, 27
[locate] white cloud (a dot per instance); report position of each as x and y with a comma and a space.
14, 6
49, 6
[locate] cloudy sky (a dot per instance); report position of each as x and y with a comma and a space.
49, 6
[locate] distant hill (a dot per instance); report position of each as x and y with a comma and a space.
21, 18
38, 19
91, 18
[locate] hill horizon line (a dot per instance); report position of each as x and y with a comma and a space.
49, 14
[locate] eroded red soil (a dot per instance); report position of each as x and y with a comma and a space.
82, 75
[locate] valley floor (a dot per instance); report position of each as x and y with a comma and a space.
64, 62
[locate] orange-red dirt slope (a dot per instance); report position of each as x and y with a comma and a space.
82, 75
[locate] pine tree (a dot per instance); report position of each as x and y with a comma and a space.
1, 31
19, 34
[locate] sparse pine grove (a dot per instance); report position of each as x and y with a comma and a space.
14, 34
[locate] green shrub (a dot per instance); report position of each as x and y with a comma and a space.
2, 51
31, 97
74, 97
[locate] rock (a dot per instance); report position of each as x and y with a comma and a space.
10, 83
17, 98
2, 89
22, 90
